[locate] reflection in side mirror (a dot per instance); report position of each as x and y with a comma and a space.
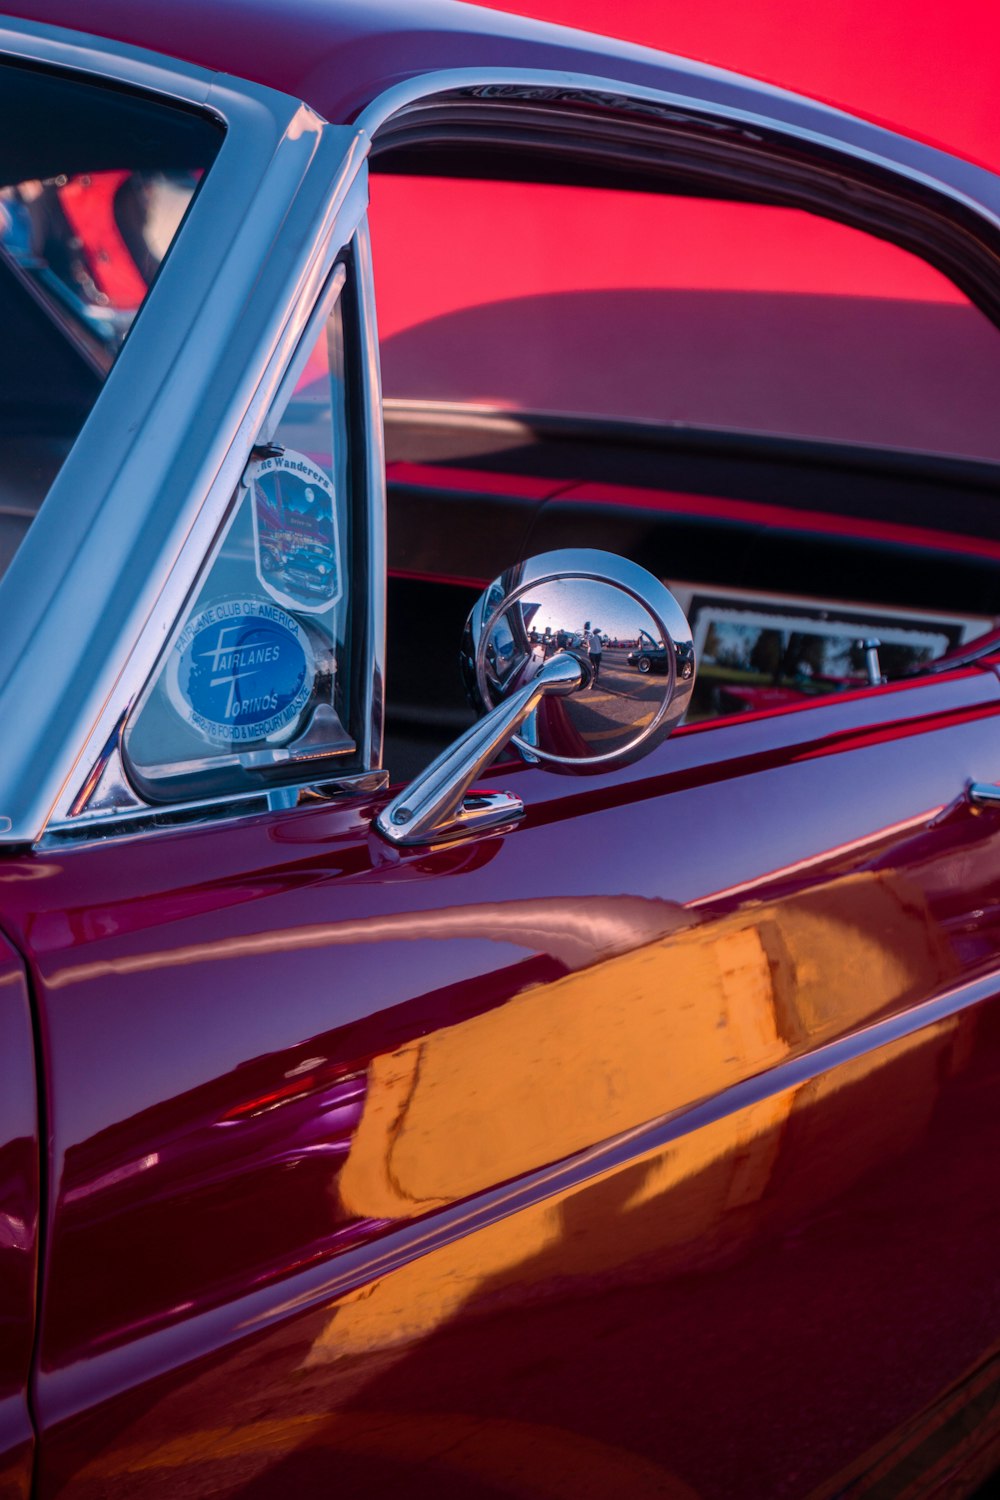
552, 656
620, 623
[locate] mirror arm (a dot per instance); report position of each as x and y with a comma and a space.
437, 804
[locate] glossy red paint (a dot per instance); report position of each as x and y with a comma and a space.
474, 482
545, 290
253, 1282
19, 1204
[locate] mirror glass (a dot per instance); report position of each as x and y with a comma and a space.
635, 679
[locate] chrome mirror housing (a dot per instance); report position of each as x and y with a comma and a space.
582, 659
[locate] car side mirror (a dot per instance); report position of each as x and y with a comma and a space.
549, 657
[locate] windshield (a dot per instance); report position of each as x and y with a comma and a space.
94, 183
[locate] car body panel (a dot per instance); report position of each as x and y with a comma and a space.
238, 1201
468, 1369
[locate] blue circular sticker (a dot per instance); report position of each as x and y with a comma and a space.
241, 670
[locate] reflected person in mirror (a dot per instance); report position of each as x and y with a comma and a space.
595, 646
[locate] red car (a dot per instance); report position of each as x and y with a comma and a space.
608, 1106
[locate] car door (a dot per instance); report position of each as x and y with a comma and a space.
518, 1168
643, 1147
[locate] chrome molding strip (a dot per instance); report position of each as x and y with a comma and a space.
706, 92
411, 1240
106, 566
135, 818
372, 709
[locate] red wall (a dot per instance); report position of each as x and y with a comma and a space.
925, 67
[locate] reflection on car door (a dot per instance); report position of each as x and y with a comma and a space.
641, 1148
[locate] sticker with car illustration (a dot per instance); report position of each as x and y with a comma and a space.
296, 536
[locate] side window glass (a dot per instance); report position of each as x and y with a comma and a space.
788, 419
709, 315
758, 651
255, 686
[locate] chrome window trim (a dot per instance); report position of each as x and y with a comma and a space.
370, 414
104, 569
106, 802
708, 92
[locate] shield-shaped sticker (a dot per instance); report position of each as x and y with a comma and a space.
295, 531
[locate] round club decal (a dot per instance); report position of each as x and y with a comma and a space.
241, 671
296, 536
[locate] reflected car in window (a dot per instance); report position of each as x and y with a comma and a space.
499, 769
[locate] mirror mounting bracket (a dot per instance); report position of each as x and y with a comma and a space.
438, 806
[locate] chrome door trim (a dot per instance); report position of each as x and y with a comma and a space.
105, 567
374, 454
706, 92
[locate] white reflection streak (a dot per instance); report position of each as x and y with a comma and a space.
111, 1179
566, 928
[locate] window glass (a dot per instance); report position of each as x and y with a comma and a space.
255, 684
745, 317
758, 651
94, 183
770, 410
89, 245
